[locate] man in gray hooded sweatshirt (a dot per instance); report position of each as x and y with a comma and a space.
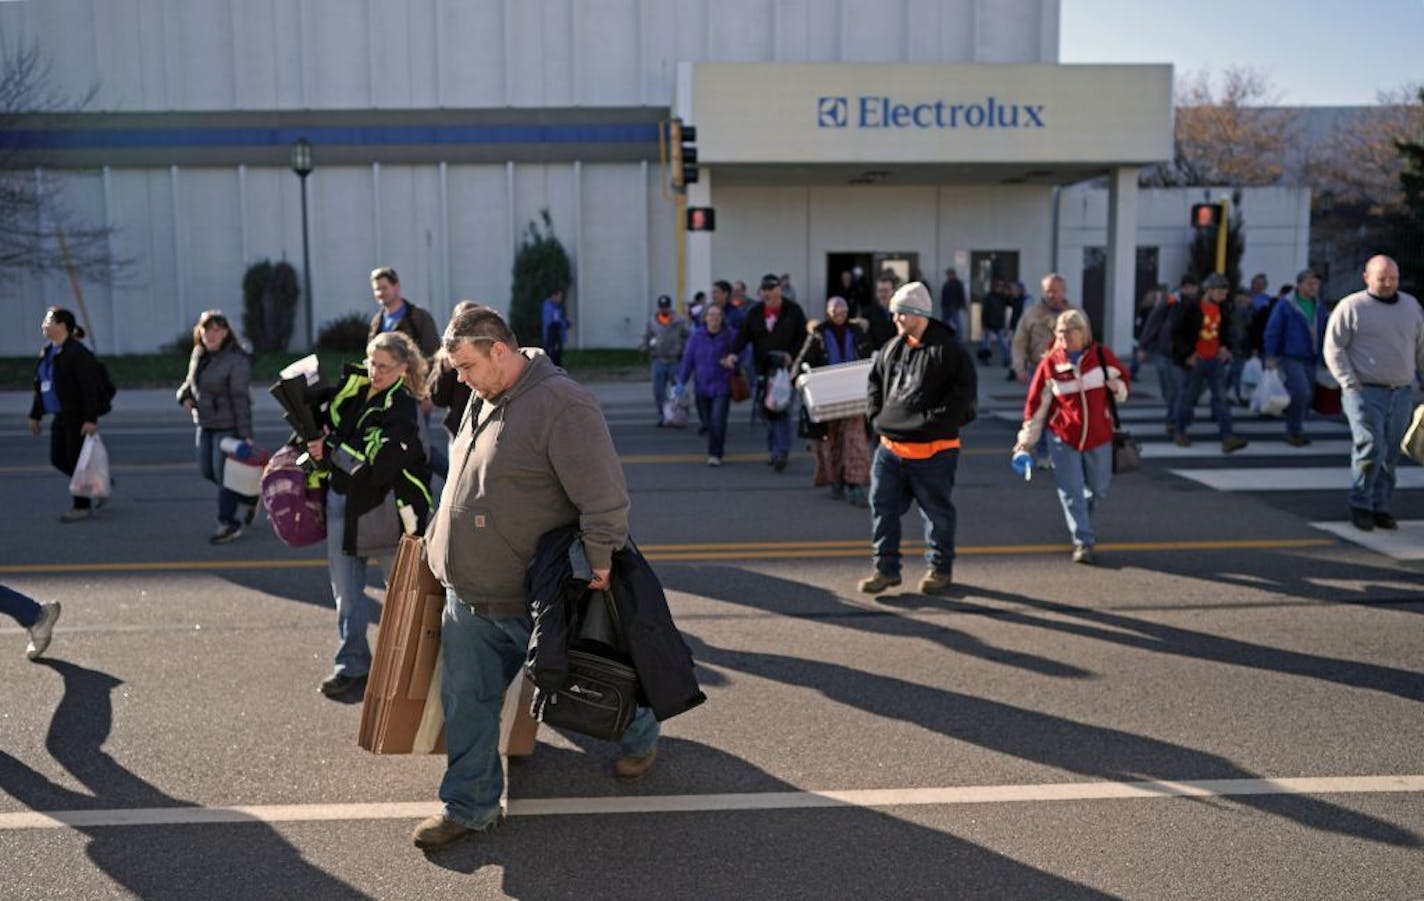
532, 454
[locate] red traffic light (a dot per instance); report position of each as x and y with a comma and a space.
1206, 215
701, 219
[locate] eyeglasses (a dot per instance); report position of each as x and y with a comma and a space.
373, 367
1064, 331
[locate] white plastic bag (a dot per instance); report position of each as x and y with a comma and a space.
778, 392
674, 411
1251, 373
1270, 397
91, 474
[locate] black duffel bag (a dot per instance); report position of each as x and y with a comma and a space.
600, 693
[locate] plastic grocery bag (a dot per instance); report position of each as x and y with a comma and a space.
674, 411
778, 392
1270, 397
1251, 373
91, 474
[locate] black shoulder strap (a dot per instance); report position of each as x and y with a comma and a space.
1112, 401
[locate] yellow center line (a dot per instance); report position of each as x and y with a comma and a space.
712, 552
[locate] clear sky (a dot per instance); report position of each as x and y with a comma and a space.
1314, 52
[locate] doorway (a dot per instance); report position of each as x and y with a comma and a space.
985, 268
859, 292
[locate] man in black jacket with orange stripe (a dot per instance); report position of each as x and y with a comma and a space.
923, 389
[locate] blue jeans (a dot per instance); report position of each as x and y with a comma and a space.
211, 461
1208, 374
712, 410
1299, 378
480, 656
348, 588
894, 483
1082, 480
1001, 336
664, 375
1169, 384
21, 607
1378, 418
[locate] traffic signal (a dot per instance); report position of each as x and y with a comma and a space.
1206, 215
701, 219
684, 153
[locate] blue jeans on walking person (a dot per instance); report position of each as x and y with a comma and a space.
664, 376
22, 608
894, 483
712, 409
479, 656
1208, 374
1299, 378
1378, 417
211, 461
1082, 479
1169, 384
348, 589
1000, 336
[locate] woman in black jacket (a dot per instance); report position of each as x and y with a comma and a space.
68, 385
379, 485
217, 394
843, 450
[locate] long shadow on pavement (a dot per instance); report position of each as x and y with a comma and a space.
154, 862
1093, 751
819, 853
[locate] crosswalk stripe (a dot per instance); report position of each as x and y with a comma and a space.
1199, 449
1290, 478
745, 801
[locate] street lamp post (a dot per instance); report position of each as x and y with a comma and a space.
302, 165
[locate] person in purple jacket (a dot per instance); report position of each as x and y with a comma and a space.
704, 360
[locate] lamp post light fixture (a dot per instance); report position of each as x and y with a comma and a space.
302, 165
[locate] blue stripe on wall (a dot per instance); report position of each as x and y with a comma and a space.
393, 135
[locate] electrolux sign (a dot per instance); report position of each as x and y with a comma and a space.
880, 112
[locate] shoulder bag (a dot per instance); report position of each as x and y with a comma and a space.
1126, 451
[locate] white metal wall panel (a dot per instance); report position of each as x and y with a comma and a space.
1008, 31
612, 305
740, 30
758, 231
662, 248
481, 255
472, 53
343, 242
210, 241
339, 56
874, 30
199, 47
609, 53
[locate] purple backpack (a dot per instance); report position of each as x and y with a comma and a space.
297, 512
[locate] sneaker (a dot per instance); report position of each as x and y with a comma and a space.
43, 629
714, 461
338, 684
1362, 519
439, 831
838, 491
76, 514
250, 515
1171, 430
1381, 519
1181, 440
855, 496
226, 532
879, 582
1043, 464
778, 462
631, 769
1297, 440
702, 430
1083, 553
1233, 443
936, 582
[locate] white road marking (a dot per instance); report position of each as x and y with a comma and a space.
1290, 478
1405, 543
1211, 449
868, 798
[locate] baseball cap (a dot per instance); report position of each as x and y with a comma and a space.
770, 280
1304, 274
664, 301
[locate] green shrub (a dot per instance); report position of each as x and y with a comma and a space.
345, 335
269, 305
540, 267
182, 343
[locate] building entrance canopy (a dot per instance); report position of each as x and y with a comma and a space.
1021, 120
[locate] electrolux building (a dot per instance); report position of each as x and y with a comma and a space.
915, 135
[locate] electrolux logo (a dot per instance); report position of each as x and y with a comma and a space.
870, 111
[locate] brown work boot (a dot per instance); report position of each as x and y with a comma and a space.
936, 582
878, 582
631, 769
439, 831
1233, 443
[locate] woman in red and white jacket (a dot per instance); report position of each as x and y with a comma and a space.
1068, 396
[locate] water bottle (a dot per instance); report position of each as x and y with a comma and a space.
1023, 464
236, 448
